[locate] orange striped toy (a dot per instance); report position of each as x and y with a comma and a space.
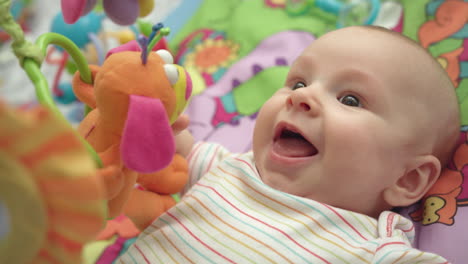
51, 200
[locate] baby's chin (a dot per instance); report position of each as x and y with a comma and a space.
283, 182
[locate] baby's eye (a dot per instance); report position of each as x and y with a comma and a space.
350, 100
298, 85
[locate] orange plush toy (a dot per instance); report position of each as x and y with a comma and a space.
135, 97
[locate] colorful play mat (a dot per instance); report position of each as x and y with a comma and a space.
238, 54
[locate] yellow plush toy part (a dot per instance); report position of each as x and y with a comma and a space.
51, 199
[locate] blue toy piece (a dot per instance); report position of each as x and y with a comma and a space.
78, 32
355, 12
329, 6
66, 94
82, 32
21, 11
17, 8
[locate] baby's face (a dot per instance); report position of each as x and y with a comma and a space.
338, 131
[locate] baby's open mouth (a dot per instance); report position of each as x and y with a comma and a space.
289, 142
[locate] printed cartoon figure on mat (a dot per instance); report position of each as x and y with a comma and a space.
334, 151
440, 203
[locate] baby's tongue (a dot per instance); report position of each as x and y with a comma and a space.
294, 147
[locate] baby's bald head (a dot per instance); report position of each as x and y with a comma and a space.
436, 95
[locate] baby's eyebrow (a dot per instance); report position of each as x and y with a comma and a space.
367, 84
358, 75
304, 65
307, 61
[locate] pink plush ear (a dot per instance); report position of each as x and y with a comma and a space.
147, 142
134, 46
129, 46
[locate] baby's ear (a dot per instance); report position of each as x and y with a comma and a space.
422, 172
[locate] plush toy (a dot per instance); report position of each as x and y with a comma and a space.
135, 97
51, 199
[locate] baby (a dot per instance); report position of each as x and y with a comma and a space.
334, 150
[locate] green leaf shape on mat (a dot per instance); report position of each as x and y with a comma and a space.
414, 16
445, 46
462, 93
252, 94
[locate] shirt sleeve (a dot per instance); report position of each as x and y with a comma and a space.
203, 157
396, 234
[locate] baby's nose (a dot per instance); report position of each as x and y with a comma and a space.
302, 103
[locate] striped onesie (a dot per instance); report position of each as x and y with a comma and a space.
230, 216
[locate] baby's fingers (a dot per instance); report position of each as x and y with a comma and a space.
180, 124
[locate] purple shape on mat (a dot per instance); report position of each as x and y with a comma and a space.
445, 240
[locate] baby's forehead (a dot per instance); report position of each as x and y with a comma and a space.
391, 49
382, 51
377, 37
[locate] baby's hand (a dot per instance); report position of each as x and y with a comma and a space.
183, 138
180, 124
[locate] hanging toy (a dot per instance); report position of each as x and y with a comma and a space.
122, 12
82, 33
